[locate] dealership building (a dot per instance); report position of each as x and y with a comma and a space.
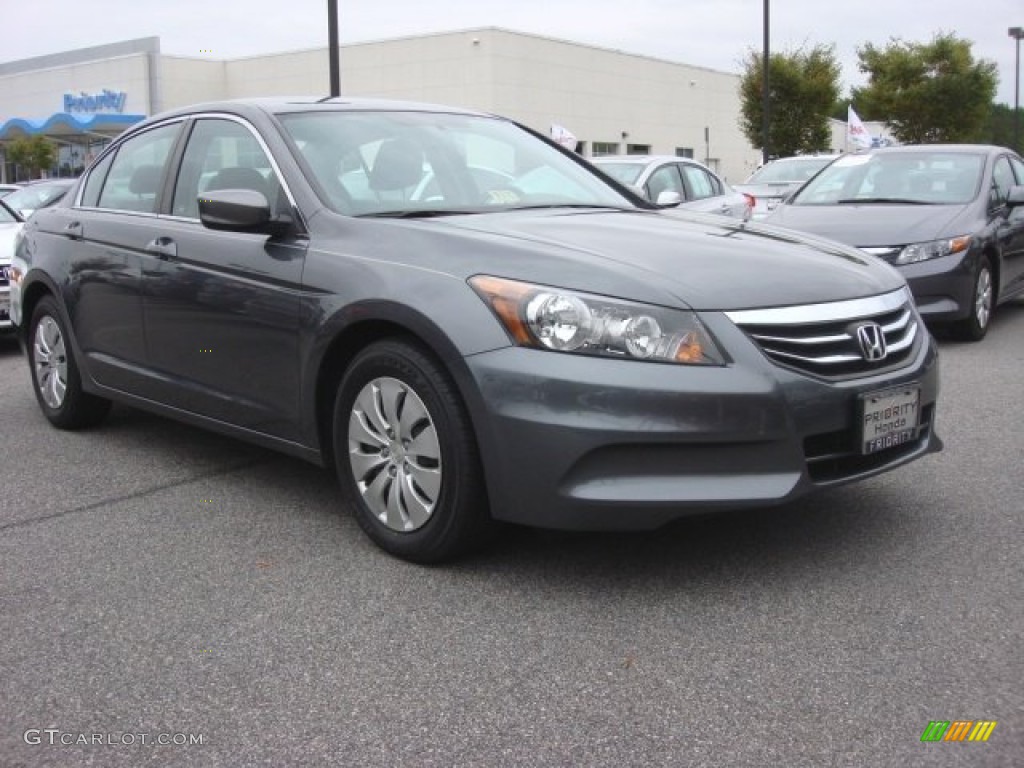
613, 102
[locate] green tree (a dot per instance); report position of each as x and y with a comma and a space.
803, 86
999, 127
927, 93
34, 153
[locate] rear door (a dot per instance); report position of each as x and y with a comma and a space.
104, 238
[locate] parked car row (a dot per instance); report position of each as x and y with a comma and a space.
438, 303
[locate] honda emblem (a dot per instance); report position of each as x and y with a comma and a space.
872, 342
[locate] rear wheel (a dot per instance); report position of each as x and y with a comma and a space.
55, 375
975, 325
406, 456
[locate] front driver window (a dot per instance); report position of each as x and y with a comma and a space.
222, 154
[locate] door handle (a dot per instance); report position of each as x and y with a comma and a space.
74, 230
163, 248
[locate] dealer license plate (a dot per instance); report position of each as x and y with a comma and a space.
889, 418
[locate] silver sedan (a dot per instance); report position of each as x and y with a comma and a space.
676, 182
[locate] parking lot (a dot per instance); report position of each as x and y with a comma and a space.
159, 581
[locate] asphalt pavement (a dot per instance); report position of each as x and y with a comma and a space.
162, 584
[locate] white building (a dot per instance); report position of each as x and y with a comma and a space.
613, 102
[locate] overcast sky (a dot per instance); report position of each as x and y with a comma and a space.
709, 33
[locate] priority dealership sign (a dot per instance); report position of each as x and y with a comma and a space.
104, 101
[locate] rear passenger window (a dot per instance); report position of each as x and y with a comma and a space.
133, 183
701, 185
93, 185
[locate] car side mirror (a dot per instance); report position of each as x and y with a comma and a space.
241, 210
669, 197
1016, 196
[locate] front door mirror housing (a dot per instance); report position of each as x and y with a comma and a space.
241, 210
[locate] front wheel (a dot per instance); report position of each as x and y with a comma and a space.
55, 376
406, 456
975, 325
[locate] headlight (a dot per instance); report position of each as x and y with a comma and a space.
932, 250
567, 321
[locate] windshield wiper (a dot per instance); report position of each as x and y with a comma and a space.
873, 200
418, 213
592, 206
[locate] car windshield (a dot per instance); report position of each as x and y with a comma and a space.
924, 178
788, 171
624, 172
35, 196
392, 163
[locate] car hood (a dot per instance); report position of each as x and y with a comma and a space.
707, 262
874, 225
7, 234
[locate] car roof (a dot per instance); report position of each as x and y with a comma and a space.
645, 159
289, 104
926, 148
798, 158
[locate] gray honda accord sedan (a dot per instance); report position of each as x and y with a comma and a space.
465, 321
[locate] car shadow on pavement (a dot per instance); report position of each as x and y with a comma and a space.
850, 524
830, 530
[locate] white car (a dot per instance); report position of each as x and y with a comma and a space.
770, 184
676, 182
10, 225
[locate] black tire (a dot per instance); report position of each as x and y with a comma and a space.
983, 301
396, 407
56, 380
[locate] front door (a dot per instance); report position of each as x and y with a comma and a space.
222, 308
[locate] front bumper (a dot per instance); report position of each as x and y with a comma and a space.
943, 288
582, 443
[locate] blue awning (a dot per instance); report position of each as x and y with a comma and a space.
64, 124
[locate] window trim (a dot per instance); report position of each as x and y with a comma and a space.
174, 165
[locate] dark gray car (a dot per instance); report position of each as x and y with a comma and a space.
947, 216
467, 322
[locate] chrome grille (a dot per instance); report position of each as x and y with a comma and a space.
822, 339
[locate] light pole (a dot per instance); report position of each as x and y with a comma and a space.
1016, 33
765, 101
332, 46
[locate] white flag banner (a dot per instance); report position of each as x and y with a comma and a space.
856, 133
563, 136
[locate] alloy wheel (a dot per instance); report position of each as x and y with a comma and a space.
395, 454
983, 297
50, 362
